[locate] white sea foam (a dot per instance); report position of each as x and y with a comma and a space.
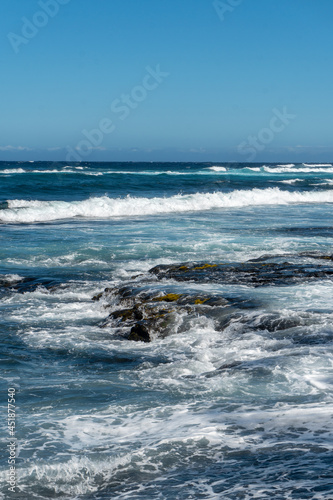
306, 170
290, 181
23, 171
104, 207
317, 164
217, 169
77, 477
12, 171
149, 172
97, 447
96, 174
11, 277
287, 165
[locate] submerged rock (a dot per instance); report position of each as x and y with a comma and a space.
143, 311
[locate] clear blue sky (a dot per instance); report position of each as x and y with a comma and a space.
169, 80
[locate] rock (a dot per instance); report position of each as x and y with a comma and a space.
151, 314
139, 333
251, 273
170, 297
30, 284
127, 314
147, 309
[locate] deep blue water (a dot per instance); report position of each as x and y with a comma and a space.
239, 412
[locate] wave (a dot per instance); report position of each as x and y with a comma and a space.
25, 171
291, 181
287, 165
317, 164
13, 171
217, 169
10, 278
282, 170
25, 211
148, 172
278, 169
78, 170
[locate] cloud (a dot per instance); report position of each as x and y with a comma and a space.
14, 148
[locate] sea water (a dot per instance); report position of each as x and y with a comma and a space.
239, 412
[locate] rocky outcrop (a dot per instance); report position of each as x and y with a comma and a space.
153, 305
264, 271
142, 315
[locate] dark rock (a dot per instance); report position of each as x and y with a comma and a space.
98, 296
30, 284
139, 333
169, 297
251, 273
151, 314
310, 255
127, 314
143, 311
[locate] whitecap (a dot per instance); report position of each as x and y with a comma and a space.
217, 169
27, 211
13, 171
317, 164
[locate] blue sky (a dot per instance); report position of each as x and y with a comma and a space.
166, 80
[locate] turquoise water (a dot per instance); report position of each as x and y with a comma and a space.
239, 411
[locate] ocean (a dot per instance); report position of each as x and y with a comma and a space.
166, 330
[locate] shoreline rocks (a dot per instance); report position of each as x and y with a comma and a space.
142, 310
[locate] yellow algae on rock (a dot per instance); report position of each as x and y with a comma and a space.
170, 297
205, 266
200, 301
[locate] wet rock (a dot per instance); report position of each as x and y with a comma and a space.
127, 314
139, 333
149, 308
150, 314
169, 297
30, 284
251, 273
310, 255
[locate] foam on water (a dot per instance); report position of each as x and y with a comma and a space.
206, 432
317, 164
10, 277
307, 170
290, 181
25, 211
217, 169
234, 409
13, 171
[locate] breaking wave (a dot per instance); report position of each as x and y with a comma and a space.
305, 170
26, 211
217, 169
